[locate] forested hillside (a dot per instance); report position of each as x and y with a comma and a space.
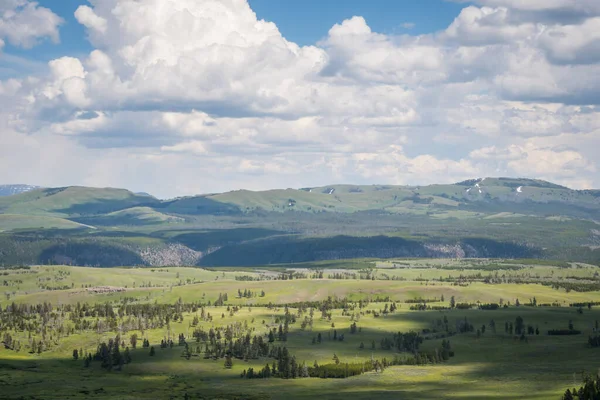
491, 217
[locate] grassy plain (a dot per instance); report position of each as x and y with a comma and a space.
494, 365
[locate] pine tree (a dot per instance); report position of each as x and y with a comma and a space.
228, 361
336, 359
568, 395
116, 354
519, 325
152, 352
127, 355
133, 340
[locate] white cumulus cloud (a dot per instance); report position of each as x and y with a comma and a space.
24, 23
181, 89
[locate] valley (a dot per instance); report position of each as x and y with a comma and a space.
391, 328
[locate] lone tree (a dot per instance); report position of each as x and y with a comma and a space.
519, 325
228, 362
133, 340
336, 359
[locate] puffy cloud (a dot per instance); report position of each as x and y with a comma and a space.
529, 160
552, 162
356, 52
477, 26
548, 11
573, 44
185, 88
193, 54
587, 7
534, 122
24, 23
512, 152
394, 166
530, 76
87, 17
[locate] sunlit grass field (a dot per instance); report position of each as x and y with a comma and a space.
492, 365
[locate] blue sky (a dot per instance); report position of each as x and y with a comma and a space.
307, 21
72, 34
190, 96
302, 21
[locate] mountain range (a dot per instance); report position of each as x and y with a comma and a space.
489, 217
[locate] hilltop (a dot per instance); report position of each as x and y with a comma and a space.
492, 217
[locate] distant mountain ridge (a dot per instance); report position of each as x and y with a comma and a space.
485, 217
9, 190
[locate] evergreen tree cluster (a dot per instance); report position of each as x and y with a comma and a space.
108, 354
287, 367
249, 294
220, 300
594, 341
589, 391
402, 342
234, 340
491, 306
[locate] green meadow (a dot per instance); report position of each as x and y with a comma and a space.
319, 300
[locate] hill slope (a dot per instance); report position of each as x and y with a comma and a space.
510, 195
490, 217
73, 201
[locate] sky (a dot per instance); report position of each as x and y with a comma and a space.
182, 97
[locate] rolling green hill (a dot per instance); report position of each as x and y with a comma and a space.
134, 216
492, 217
10, 222
509, 193
72, 201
